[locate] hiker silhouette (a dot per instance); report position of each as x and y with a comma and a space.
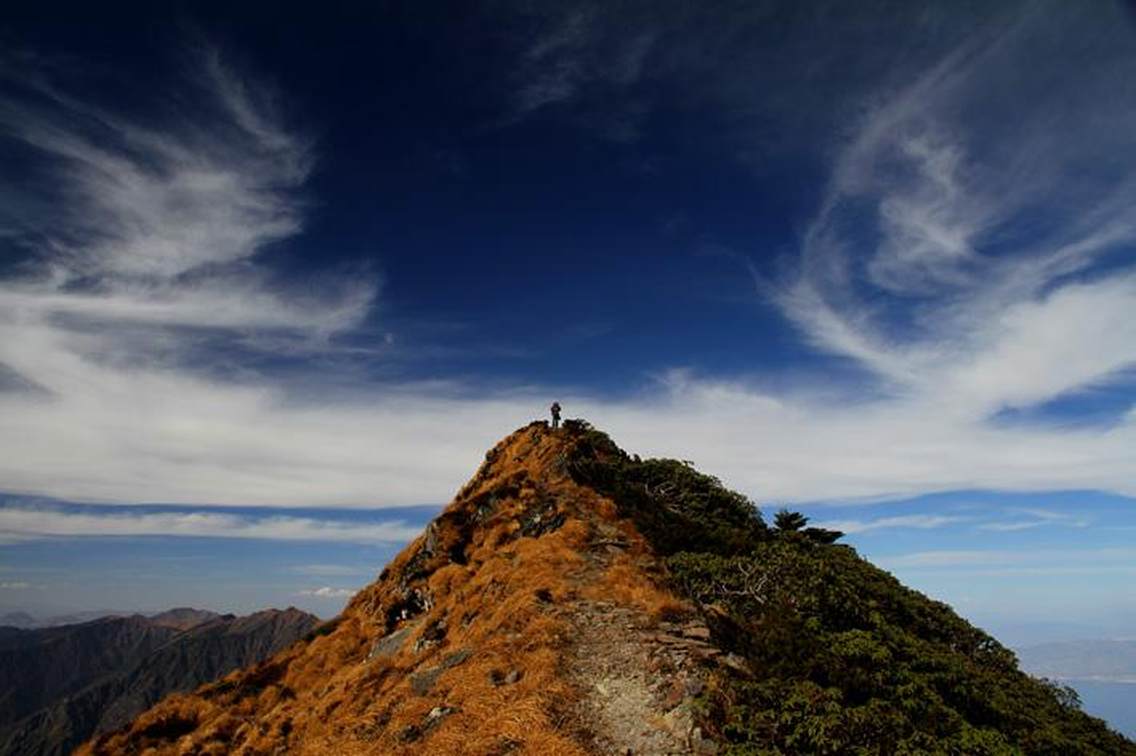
555, 409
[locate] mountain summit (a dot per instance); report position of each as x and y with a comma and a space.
574, 599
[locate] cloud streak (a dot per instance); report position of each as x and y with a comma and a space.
1103, 561
1036, 518
918, 522
327, 592
33, 523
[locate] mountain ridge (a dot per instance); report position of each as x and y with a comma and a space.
575, 599
137, 660
22, 620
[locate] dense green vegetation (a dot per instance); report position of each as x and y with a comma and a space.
842, 658
676, 507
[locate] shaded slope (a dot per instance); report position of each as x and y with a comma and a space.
573, 599
182, 617
38, 667
211, 646
19, 620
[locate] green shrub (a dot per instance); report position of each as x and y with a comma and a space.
844, 658
676, 507
848, 660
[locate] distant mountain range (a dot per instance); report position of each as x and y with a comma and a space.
181, 618
28, 621
1103, 672
61, 685
21, 620
1097, 660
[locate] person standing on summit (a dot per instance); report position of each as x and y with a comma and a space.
555, 409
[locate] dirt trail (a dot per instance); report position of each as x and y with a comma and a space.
637, 675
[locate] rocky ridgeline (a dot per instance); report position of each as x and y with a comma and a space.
573, 599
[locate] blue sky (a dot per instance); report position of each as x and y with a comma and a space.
271, 283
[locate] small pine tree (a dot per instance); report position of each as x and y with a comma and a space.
787, 521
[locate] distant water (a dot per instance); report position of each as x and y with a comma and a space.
1115, 703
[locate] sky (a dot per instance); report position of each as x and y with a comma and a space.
272, 282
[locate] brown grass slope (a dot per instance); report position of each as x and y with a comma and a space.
542, 612
40, 667
527, 618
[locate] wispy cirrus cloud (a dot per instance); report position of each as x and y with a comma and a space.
156, 223
928, 263
579, 56
965, 265
14, 585
208, 181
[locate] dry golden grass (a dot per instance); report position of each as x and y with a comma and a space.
627, 584
504, 597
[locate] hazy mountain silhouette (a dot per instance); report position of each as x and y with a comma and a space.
60, 685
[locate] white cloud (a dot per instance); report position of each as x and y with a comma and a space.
1036, 518
1010, 527
919, 522
162, 201
241, 303
26, 523
155, 226
183, 221
990, 316
327, 592
584, 60
1024, 558
14, 585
